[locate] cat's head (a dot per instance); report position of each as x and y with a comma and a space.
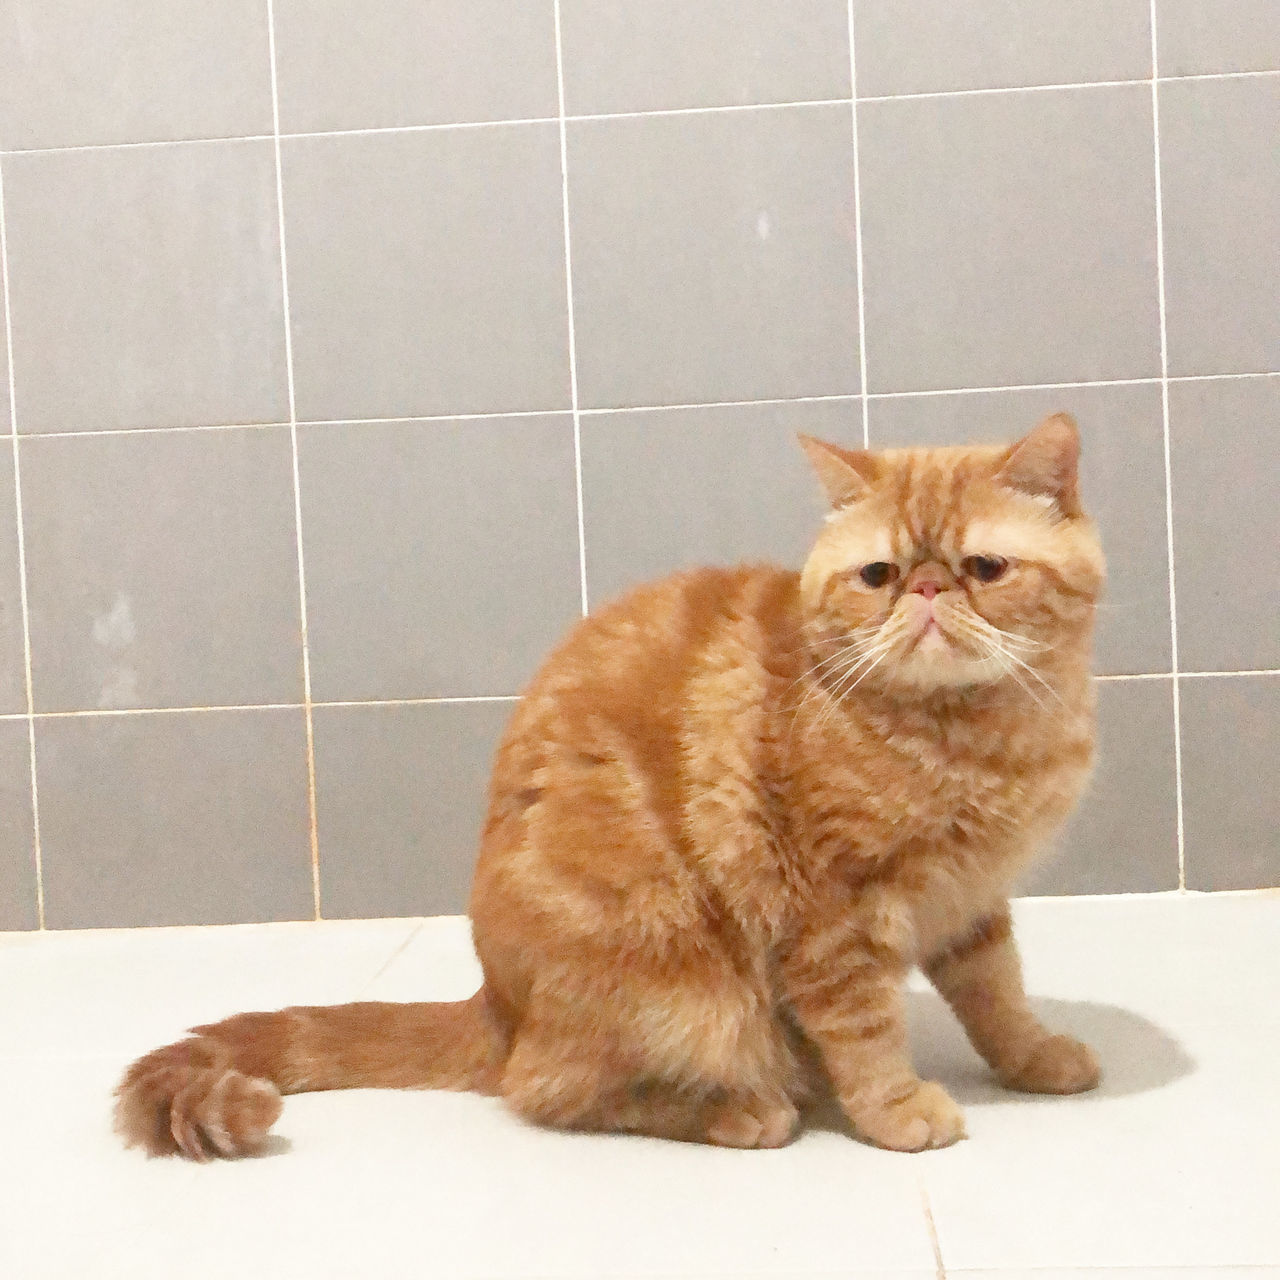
940, 568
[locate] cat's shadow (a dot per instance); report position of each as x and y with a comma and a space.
1136, 1055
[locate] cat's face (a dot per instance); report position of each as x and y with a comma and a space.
939, 568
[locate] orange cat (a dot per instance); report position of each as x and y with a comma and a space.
727, 817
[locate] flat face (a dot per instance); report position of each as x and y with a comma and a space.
942, 571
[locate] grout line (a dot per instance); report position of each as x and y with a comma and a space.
857, 235
463, 699
719, 404
36, 851
640, 408
297, 476
573, 342
1200, 675
99, 712
721, 109
731, 108
396, 952
1168, 453
940, 1269
435, 417
150, 431
1013, 386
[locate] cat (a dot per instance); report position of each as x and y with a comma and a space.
729, 815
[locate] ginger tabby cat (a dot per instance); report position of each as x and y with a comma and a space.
729, 814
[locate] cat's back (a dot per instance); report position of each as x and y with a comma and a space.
630, 665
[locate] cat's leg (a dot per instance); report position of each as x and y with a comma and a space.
846, 993
980, 977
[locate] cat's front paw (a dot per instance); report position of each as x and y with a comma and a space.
1058, 1064
926, 1117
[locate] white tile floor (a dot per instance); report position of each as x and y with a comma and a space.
1172, 1169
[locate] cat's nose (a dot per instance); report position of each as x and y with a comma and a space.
928, 579
927, 588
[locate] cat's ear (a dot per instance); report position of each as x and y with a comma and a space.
846, 474
1046, 463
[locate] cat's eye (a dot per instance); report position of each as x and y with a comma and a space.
985, 568
879, 573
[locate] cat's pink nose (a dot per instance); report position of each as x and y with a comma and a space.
927, 588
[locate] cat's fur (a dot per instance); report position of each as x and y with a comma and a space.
728, 816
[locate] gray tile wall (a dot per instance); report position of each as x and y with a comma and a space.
309, 303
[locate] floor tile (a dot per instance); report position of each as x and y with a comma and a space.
403, 62
115, 993
667, 54
1164, 1165
381, 1182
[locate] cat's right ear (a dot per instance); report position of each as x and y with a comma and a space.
846, 474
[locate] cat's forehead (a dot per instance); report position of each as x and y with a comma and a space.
941, 502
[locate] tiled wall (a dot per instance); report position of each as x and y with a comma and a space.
351, 346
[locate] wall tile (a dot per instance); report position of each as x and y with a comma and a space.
78, 72
938, 45
1009, 239
702, 53
6, 418
441, 557
1221, 207
145, 287
1124, 836
424, 770
1122, 480
191, 818
713, 257
17, 852
1226, 533
13, 670
406, 62
162, 569
1196, 37
676, 488
426, 273
1231, 807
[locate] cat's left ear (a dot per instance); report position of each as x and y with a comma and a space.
1046, 463
846, 474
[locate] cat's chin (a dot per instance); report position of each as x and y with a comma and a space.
936, 664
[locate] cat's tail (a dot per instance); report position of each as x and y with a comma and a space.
218, 1092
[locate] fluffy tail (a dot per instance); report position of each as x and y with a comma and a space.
219, 1092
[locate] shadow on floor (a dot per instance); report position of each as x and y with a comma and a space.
1136, 1055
